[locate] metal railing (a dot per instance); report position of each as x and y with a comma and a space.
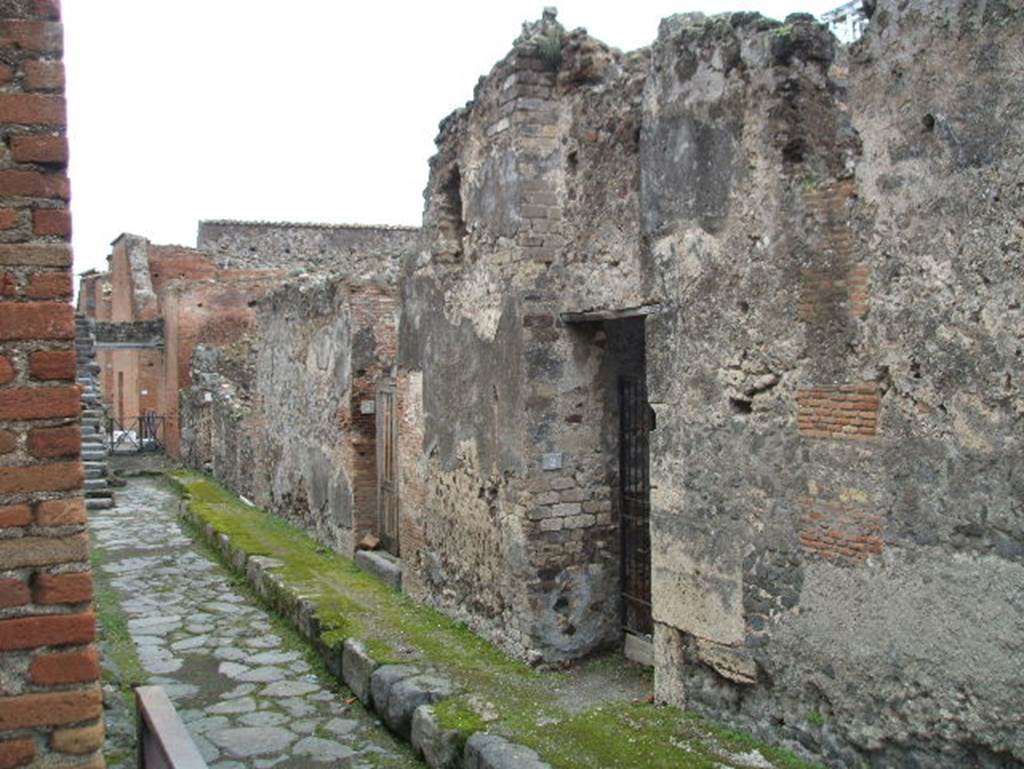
135, 435
164, 742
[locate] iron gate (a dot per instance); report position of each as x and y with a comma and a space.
135, 435
387, 467
636, 423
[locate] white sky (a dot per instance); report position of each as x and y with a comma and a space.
296, 110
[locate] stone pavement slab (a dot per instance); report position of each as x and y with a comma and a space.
245, 692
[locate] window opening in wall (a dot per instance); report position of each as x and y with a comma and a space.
387, 467
451, 222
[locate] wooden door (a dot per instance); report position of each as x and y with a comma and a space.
387, 467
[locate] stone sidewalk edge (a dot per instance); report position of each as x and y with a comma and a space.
402, 695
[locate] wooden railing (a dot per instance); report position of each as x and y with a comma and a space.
164, 742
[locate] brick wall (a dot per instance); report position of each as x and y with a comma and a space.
839, 525
50, 701
374, 317
838, 411
212, 312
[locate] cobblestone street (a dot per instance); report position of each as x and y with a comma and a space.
244, 690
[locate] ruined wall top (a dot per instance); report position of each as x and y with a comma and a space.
359, 251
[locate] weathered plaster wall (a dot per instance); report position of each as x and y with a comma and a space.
837, 526
533, 185
830, 254
358, 252
289, 420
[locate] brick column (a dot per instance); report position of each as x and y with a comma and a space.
50, 700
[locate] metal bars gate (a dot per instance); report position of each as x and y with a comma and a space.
636, 421
135, 435
387, 467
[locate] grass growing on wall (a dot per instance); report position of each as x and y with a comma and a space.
517, 699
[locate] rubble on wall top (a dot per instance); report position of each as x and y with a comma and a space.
309, 225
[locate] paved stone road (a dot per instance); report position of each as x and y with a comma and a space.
248, 699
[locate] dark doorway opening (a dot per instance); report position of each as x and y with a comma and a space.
387, 467
636, 420
633, 420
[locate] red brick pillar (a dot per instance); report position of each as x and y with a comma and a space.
50, 701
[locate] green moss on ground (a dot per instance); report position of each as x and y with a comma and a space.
354, 604
115, 636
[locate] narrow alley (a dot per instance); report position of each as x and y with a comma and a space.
240, 681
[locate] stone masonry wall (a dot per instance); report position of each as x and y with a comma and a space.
355, 251
285, 416
837, 527
827, 255
534, 184
213, 312
50, 701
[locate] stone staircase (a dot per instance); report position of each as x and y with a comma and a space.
98, 494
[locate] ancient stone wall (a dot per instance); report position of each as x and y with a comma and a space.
823, 377
51, 705
355, 251
285, 415
139, 333
508, 518
827, 256
213, 312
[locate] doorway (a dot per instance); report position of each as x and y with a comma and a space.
630, 421
636, 420
387, 467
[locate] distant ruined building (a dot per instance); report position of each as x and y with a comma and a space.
711, 351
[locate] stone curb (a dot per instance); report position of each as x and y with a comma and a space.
403, 696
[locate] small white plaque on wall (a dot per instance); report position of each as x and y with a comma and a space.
551, 461
368, 407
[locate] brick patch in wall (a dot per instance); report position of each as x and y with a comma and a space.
838, 411
824, 291
840, 528
838, 283
857, 288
